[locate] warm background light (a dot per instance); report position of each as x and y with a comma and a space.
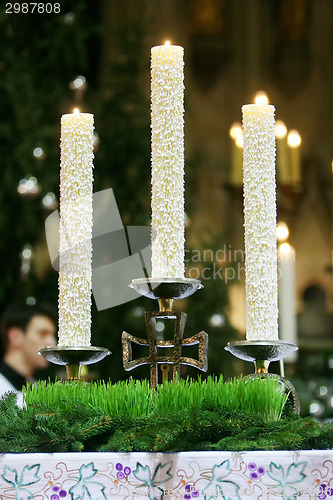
239, 142
261, 97
282, 231
236, 130
294, 139
285, 248
280, 129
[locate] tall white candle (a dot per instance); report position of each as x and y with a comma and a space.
282, 159
294, 141
76, 179
236, 135
260, 222
167, 158
287, 297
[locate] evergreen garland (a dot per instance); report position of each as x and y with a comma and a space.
147, 423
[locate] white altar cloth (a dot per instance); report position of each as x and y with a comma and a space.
271, 475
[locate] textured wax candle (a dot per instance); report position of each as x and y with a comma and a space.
260, 222
75, 229
167, 143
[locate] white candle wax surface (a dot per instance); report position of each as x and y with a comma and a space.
76, 179
287, 297
167, 161
260, 222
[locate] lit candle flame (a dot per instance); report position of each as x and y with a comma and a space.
167, 43
261, 97
76, 111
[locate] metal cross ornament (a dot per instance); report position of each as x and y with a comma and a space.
176, 344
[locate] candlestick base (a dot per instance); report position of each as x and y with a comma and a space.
73, 357
165, 290
262, 352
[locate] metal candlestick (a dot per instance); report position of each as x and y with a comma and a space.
165, 291
73, 357
262, 352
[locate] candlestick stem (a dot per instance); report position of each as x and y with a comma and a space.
73, 371
165, 304
261, 365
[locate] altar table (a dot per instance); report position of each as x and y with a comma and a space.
271, 475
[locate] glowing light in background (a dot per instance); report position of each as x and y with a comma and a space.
280, 129
316, 408
138, 311
28, 186
323, 390
239, 142
69, 18
78, 83
159, 326
282, 231
38, 153
261, 97
285, 248
26, 256
236, 130
96, 141
294, 139
49, 201
217, 320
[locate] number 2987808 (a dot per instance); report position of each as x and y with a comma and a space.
32, 8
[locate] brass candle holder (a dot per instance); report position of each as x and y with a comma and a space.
262, 352
73, 357
165, 291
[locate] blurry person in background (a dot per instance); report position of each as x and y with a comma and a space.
24, 330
